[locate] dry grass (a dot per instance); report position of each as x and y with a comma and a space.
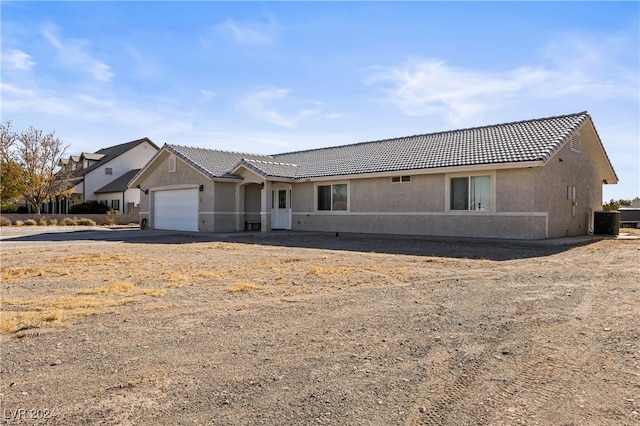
117, 288
105, 279
20, 314
95, 259
36, 313
243, 287
13, 273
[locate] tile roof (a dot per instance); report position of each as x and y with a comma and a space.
522, 141
119, 184
213, 163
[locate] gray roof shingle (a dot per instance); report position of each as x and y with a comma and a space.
213, 163
105, 155
119, 184
522, 141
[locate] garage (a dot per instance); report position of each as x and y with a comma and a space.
176, 209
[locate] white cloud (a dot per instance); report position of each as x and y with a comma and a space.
430, 86
249, 33
17, 59
206, 95
572, 68
75, 54
260, 104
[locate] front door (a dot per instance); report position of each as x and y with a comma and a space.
281, 208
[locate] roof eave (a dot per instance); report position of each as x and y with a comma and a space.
428, 171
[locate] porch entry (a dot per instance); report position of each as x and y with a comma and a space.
281, 208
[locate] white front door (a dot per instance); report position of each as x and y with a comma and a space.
281, 208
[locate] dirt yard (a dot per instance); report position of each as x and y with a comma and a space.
301, 329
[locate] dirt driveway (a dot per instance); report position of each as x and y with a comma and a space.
301, 329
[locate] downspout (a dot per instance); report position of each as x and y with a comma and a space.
123, 205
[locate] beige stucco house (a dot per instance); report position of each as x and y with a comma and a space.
532, 179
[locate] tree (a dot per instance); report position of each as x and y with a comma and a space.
11, 183
29, 162
615, 204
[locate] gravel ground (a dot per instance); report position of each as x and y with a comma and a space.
300, 329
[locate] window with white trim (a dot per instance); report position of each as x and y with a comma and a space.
401, 179
115, 204
470, 193
332, 197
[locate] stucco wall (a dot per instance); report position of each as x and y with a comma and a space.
419, 207
454, 225
514, 190
423, 193
224, 208
569, 168
252, 202
119, 219
158, 178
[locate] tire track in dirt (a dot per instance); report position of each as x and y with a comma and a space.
537, 387
439, 408
531, 388
454, 370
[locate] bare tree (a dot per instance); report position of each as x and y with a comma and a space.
35, 155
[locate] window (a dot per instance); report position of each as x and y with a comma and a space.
401, 179
108, 171
471, 193
115, 204
332, 197
172, 164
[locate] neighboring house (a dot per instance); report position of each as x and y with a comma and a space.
531, 179
103, 176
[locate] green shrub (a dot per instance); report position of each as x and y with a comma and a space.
5, 221
9, 208
30, 222
85, 222
89, 207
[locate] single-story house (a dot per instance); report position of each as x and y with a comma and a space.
532, 179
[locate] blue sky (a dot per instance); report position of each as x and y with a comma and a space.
271, 77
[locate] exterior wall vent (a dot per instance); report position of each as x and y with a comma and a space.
576, 142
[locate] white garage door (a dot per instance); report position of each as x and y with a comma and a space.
176, 209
